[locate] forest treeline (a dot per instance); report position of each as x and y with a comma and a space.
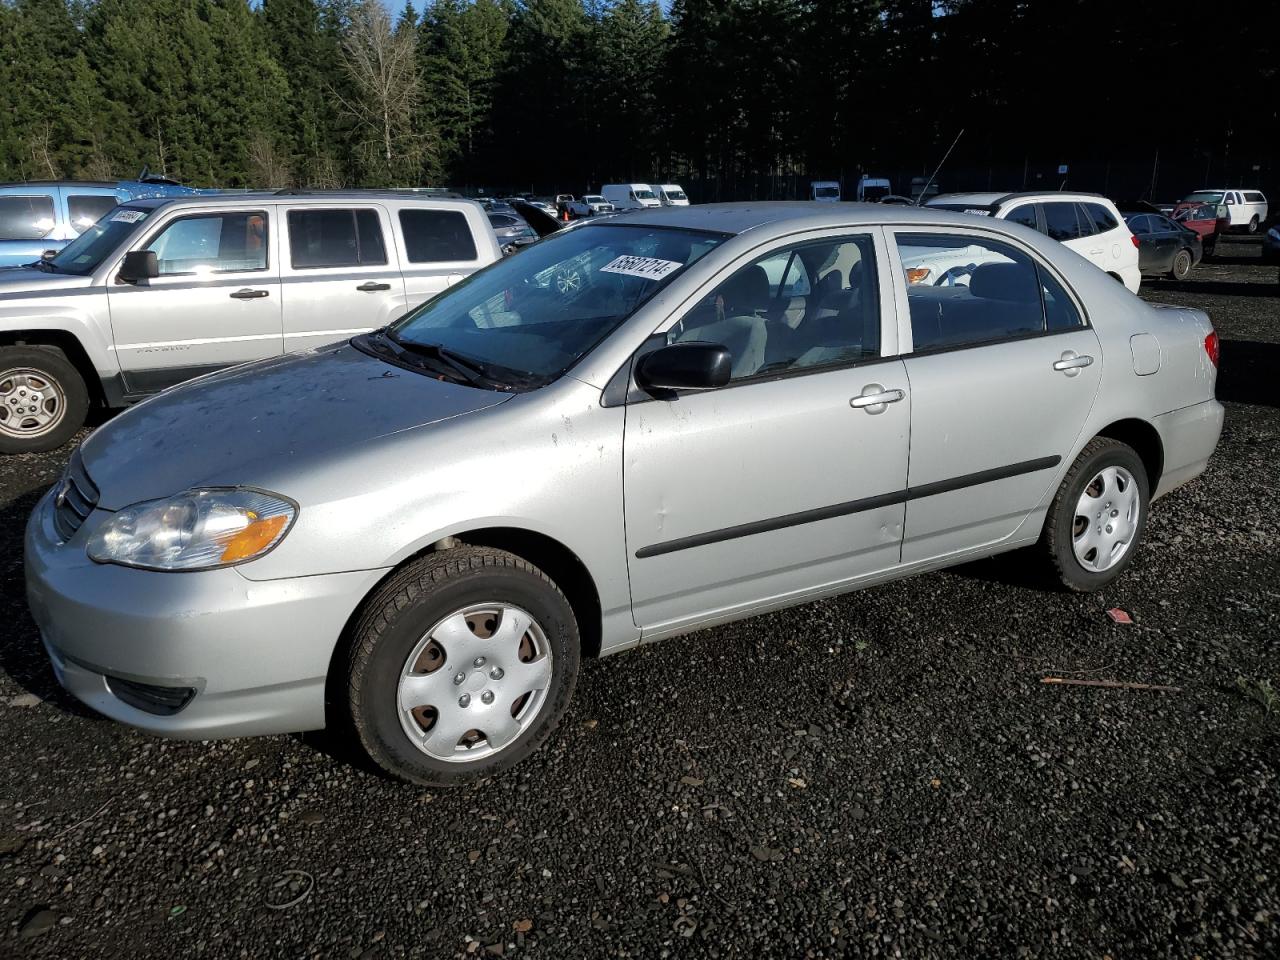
534, 94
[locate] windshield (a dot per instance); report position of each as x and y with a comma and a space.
675, 194
824, 192
873, 192
1205, 196
645, 195
592, 198
84, 254
538, 313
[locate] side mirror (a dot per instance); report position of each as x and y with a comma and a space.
139, 265
685, 366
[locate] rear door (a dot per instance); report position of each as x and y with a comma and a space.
341, 275
1003, 371
215, 303
790, 479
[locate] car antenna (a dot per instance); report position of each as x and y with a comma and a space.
925, 190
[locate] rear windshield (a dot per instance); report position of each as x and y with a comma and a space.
86, 252
1205, 196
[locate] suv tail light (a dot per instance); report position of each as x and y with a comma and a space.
1211, 347
1135, 241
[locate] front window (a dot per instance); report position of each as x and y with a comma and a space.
527, 319
86, 252
212, 243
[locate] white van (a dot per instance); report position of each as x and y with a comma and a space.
825, 190
630, 196
672, 195
873, 189
1241, 209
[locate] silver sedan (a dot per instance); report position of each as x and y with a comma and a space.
636, 429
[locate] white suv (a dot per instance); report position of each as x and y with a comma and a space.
1088, 223
1241, 209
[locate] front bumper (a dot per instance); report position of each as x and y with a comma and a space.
254, 653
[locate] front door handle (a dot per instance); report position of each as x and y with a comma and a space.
1072, 363
247, 294
372, 286
875, 398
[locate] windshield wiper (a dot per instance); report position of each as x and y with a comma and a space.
469, 370
46, 265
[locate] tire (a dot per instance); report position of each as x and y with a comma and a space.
1253, 224
43, 398
432, 663
1062, 530
1182, 263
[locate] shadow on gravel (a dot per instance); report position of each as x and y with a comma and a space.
1250, 373
1010, 569
1223, 287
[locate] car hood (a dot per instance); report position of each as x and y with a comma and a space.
248, 424
22, 282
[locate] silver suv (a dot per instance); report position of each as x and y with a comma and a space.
162, 290
640, 427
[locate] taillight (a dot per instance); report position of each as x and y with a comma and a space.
1211, 346
1135, 241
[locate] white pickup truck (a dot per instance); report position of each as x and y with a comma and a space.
159, 291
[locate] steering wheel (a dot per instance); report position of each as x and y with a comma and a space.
951, 278
568, 281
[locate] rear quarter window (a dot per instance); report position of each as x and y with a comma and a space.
1102, 218
1254, 198
26, 218
437, 236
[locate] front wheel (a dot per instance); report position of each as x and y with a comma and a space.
1096, 520
43, 399
1181, 265
461, 665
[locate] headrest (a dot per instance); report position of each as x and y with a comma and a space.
746, 291
1015, 282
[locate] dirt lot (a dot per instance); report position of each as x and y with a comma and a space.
878, 775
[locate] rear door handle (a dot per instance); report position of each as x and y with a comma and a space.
247, 294
1071, 363
373, 286
875, 398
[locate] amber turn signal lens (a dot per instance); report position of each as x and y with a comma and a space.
253, 539
916, 274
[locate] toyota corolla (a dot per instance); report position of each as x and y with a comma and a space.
639, 428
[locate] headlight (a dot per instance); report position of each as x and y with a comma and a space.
196, 530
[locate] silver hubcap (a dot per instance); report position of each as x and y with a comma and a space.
31, 403
475, 682
1106, 519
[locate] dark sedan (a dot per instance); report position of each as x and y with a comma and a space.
512, 230
1164, 247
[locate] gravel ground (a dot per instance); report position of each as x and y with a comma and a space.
877, 775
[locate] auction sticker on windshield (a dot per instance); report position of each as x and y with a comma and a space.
647, 268
128, 216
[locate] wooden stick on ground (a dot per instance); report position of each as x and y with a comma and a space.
1111, 684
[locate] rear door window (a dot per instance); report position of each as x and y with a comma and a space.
26, 218
437, 236
965, 291
85, 210
1139, 225
335, 238
1060, 220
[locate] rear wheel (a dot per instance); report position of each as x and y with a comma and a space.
1096, 521
1253, 224
460, 666
1181, 265
43, 399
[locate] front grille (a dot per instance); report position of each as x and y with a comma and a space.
161, 701
75, 499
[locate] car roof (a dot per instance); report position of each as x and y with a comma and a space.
258, 197
786, 216
995, 199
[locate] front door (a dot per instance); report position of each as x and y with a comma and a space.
790, 479
1003, 374
215, 303
341, 275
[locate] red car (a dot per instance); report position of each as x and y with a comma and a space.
1203, 219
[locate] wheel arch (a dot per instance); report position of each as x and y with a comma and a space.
71, 348
1145, 441
546, 553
